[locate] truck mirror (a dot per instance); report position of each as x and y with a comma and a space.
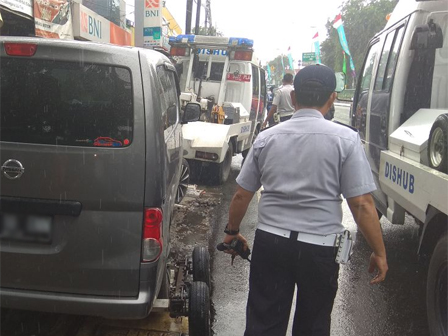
427, 36
340, 81
192, 113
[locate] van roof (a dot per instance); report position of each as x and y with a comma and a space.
405, 8
76, 44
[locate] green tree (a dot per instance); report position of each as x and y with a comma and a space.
210, 31
362, 20
277, 68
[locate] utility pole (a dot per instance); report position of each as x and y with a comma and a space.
198, 17
188, 17
208, 16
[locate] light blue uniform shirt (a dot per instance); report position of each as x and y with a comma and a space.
304, 165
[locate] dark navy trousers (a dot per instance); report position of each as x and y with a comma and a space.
278, 265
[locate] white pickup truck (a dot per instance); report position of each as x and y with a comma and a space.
400, 109
221, 77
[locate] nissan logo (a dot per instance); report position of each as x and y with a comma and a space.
12, 169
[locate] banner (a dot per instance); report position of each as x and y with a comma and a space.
337, 24
317, 47
344, 64
53, 19
291, 61
21, 6
283, 66
268, 69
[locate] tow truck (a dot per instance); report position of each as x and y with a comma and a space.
220, 76
400, 109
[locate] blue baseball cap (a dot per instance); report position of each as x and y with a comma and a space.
317, 78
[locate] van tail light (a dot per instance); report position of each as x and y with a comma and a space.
241, 55
152, 234
178, 51
20, 49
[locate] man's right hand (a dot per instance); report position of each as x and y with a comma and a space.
379, 263
228, 240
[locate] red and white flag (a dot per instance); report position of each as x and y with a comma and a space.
337, 21
316, 37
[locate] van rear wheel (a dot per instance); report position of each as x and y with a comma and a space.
199, 309
183, 182
436, 289
437, 144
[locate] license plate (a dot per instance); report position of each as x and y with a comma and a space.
27, 228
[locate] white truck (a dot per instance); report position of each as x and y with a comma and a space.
400, 109
220, 76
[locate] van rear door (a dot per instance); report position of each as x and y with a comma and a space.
73, 162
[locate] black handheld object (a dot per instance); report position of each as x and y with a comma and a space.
237, 246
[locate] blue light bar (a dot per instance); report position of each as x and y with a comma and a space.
241, 42
183, 38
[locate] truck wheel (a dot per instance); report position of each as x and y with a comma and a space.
436, 289
246, 151
437, 144
220, 171
183, 182
199, 309
201, 265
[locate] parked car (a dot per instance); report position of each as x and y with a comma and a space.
91, 161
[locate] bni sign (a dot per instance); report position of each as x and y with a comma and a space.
152, 23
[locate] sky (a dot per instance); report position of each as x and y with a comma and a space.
274, 25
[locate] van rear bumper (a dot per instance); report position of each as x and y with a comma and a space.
105, 306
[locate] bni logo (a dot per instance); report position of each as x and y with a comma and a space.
152, 3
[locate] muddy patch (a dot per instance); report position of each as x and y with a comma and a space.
192, 220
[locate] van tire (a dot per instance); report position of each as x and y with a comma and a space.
201, 265
437, 144
199, 309
221, 171
184, 181
436, 289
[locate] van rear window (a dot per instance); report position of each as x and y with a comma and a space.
65, 103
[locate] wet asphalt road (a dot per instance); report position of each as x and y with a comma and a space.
394, 308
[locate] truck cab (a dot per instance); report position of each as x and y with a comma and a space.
222, 76
400, 110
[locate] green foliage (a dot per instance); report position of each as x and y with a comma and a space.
277, 68
362, 20
210, 31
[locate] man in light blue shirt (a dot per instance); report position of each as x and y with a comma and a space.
304, 165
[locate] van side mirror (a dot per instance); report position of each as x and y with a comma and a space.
340, 81
427, 36
192, 113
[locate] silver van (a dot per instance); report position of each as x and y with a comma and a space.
90, 165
